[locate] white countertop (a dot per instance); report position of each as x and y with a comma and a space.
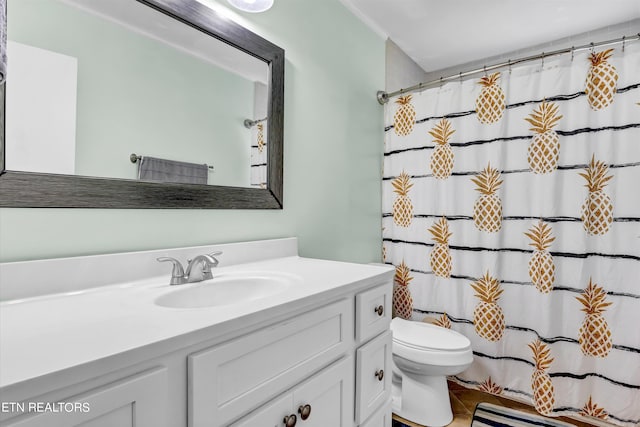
46, 334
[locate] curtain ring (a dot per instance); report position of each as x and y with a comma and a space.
573, 50
460, 75
623, 42
592, 47
542, 60
440, 81
509, 65
485, 70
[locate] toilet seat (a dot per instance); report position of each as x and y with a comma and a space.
426, 336
429, 344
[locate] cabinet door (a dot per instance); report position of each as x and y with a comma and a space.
329, 395
381, 418
230, 379
135, 401
373, 376
270, 415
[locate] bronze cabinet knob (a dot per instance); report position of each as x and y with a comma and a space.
304, 411
379, 374
290, 421
379, 309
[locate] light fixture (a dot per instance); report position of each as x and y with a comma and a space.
253, 6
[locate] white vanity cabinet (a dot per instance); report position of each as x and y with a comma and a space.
318, 354
226, 380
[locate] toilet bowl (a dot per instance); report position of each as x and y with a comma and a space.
423, 356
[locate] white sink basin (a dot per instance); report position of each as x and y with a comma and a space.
225, 290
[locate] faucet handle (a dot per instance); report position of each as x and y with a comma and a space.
214, 255
206, 269
208, 261
177, 274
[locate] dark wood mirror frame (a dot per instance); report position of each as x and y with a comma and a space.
33, 190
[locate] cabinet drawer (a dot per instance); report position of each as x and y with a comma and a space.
139, 401
370, 319
228, 380
381, 418
328, 396
269, 415
373, 376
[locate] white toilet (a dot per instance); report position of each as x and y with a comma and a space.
423, 356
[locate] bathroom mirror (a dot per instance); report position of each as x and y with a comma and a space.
97, 91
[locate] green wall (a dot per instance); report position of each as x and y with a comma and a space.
129, 100
332, 169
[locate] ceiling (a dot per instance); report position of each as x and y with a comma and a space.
438, 34
141, 19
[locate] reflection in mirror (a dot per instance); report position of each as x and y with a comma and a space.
117, 89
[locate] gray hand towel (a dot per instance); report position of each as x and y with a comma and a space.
162, 170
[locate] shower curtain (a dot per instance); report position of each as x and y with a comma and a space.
511, 211
258, 173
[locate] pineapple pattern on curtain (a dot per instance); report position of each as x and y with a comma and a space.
259, 155
511, 211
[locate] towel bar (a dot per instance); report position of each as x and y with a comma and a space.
134, 159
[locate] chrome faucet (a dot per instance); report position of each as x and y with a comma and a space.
204, 262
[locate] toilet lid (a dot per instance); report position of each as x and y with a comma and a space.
427, 336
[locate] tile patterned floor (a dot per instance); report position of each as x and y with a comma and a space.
464, 401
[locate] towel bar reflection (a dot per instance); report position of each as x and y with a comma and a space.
134, 159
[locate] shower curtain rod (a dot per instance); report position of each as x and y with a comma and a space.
383, 97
